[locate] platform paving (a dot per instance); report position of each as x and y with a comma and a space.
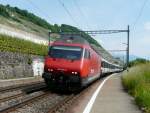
114, 99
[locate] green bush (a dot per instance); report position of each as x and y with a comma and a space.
137, 82
12, 44
137, 61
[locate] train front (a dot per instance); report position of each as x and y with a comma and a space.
62, 66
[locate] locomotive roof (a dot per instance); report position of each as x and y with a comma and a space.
71, 39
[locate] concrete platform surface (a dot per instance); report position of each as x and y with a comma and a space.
113, 99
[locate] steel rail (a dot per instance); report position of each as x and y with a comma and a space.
21, 86
63, 105
12, 97
23, 103
59, 104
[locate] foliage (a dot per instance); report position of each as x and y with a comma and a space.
3, 11
137, 82
7, 11
138, 61
25, 18
29, 61
24, 14
13, 44
68, 28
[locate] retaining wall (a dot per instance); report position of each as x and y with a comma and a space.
16, 65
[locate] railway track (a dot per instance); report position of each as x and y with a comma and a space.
9, 93
57, 103
63, 105
12, 97
12, 93
22, 86
24, 102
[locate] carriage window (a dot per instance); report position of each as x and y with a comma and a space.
103, 63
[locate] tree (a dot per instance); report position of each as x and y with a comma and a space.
137, 62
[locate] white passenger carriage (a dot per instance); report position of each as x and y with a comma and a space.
108, 67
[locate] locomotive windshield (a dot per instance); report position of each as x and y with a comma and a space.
66, 52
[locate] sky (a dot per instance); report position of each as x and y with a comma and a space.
99, 15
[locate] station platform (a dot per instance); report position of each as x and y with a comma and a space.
106, 96
112, 98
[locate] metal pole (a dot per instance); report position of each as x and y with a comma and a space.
128, 33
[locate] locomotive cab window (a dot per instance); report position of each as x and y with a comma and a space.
65, 52
87, 54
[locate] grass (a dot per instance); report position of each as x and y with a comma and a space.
137, 82
13, 44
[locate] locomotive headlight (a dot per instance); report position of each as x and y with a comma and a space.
50, 70
75, 73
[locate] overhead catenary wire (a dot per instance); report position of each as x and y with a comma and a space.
40, 10
140, 13
82, 14
68, 12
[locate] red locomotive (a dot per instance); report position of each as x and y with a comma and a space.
72, 63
